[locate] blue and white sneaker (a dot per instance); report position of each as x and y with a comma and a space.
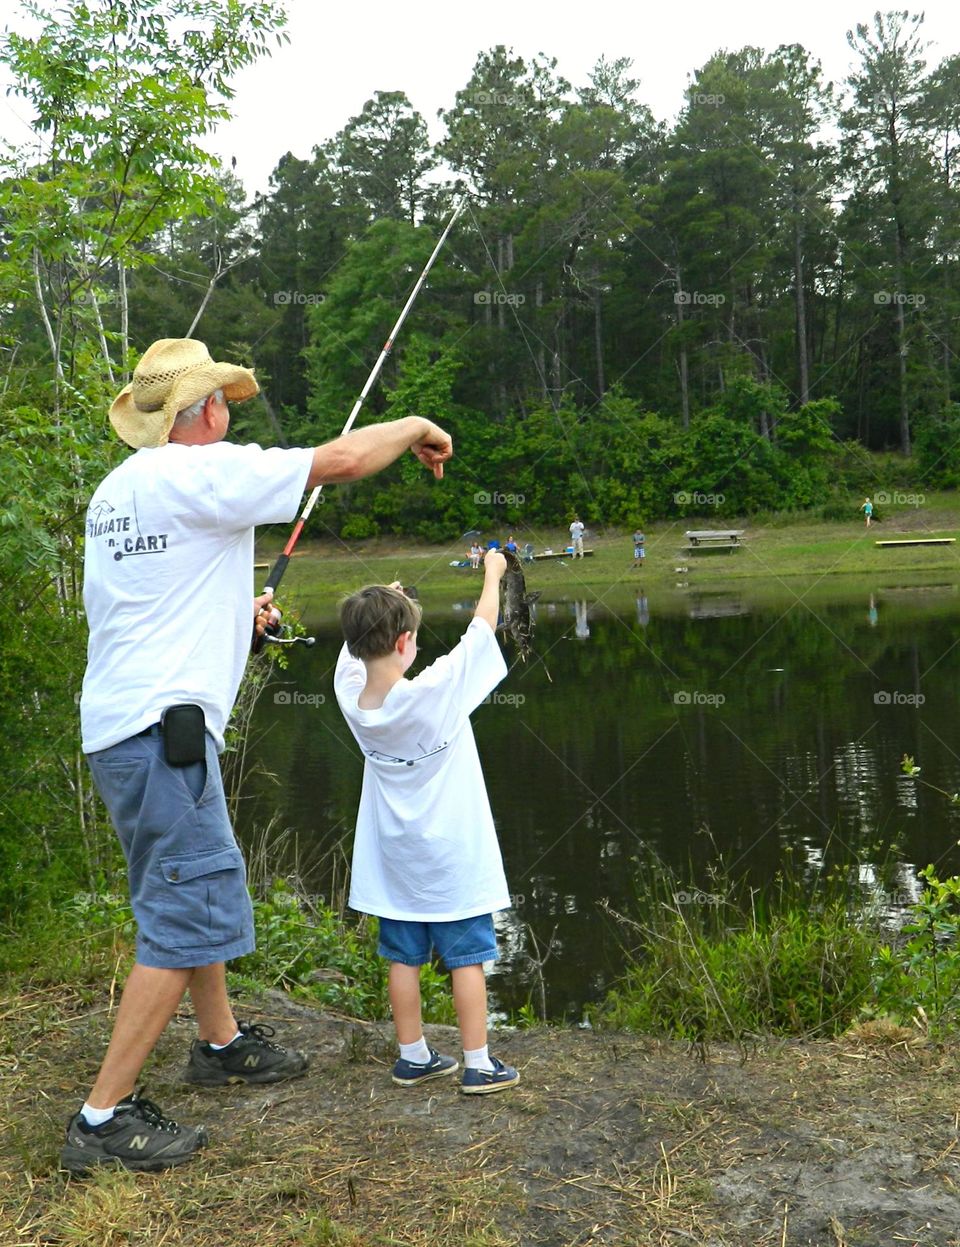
409, 1073
484, 1081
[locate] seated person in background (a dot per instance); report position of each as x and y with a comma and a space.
511, 544
476, 554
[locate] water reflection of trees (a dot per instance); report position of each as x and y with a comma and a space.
602, 768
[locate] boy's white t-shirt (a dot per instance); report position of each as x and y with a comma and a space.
168, 580
426, 848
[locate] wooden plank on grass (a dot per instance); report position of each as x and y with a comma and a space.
919, 541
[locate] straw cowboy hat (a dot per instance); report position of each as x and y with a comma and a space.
173, 374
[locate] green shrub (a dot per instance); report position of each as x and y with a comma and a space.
797, 971
358, 528
308, 948
918, 976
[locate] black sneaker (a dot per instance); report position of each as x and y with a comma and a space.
137, 1136
250, 1058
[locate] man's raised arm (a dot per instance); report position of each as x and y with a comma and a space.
363, 452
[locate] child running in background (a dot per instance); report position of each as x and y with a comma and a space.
426, 860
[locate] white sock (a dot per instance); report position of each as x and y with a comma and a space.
417, 1052
96, 1116
477, 1058
219, 1047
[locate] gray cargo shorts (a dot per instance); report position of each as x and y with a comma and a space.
188, 882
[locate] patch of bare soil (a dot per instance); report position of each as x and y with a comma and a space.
609, 1139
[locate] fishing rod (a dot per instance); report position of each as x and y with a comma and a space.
283, 559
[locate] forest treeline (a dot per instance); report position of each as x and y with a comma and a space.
780, 261
629, 317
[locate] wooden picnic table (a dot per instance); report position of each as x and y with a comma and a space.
713, 538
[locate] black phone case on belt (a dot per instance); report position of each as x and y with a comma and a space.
184, 734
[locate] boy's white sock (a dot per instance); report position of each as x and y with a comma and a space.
96, 1116
417, 1052
219, 1047
477, 1058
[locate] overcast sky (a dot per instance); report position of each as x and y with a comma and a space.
339, 55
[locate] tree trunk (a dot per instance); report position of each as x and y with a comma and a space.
902, 351
541, 348
803, 364
598, 343
684, 371
124, 323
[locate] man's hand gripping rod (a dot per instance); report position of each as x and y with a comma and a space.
283, 559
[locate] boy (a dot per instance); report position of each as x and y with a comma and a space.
426, 860
639, 552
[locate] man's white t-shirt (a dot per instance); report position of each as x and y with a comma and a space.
426, 848
168, 580
576, 530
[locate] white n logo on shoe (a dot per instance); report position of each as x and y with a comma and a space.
252, 1061
140, 1141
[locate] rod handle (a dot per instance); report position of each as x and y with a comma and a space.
277, 574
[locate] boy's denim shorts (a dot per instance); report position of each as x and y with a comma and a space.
188, 885
465, 942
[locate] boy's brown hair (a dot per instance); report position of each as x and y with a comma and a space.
374, 617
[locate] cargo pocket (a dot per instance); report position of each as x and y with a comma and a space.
205, 898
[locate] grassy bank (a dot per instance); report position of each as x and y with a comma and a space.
610, 1139
613, 1136
776, 549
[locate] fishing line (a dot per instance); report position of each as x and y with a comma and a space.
284, 558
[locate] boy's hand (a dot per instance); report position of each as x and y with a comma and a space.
494, 564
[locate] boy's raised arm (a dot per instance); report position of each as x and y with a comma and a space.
488, 608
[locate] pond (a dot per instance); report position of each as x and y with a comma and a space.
676, 724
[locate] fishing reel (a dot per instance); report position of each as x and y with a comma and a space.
273, 636
277, 634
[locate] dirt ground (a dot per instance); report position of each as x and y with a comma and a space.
609, 1139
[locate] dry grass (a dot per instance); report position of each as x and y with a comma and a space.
610, 1139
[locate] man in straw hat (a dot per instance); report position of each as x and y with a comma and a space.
167, 591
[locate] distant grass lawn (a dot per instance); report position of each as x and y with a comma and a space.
775, 547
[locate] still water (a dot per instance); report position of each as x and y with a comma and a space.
776, 724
